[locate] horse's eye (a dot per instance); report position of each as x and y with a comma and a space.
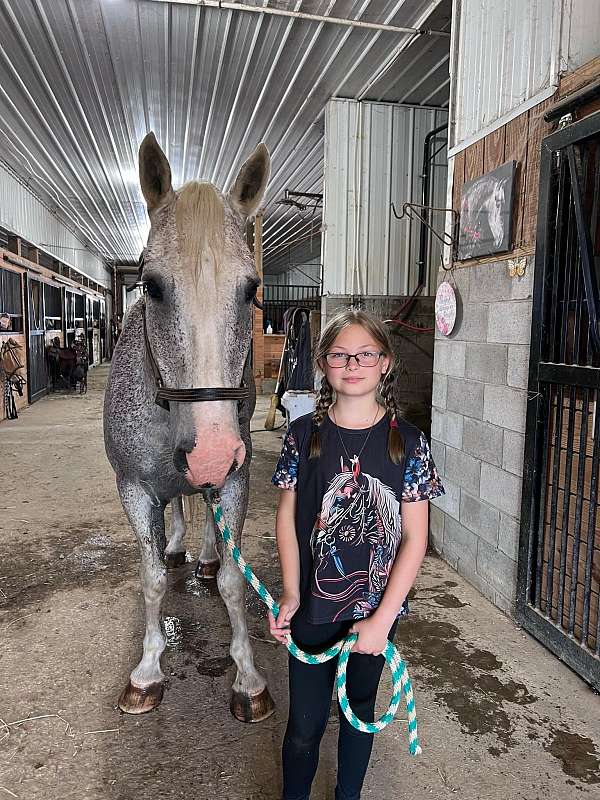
251, 289
153, 289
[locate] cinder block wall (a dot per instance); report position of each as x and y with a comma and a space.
413, 350
479, 404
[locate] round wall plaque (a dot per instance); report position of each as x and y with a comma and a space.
445, 308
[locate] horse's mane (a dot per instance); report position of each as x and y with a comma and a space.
387, 504
200, 217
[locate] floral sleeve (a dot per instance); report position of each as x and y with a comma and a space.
286, 471
421, 479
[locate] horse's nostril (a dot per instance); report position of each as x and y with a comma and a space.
233, 468
180, 460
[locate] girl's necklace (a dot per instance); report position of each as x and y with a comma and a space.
356, 459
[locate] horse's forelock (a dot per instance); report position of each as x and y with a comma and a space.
200, 219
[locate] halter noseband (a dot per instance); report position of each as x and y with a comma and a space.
164, 396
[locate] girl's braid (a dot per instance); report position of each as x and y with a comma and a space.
395, 440
324, 400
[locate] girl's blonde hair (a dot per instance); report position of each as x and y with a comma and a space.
376, 328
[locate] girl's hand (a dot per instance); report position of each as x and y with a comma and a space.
372, 636
280, 627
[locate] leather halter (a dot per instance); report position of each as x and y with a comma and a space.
164, 395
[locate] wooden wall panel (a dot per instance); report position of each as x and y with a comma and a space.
474, 160
518, 140
577, 80
21, 402
515, 149
273, 349
493, 149
538, 129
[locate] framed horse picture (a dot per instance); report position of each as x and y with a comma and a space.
486, 213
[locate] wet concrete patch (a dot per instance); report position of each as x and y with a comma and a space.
460, 676
439, 595
183, 636
577, 755
77, 558
187, 583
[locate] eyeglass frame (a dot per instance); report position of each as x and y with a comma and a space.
355, 357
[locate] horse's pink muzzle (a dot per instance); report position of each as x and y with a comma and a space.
210, 462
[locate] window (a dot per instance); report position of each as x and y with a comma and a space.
11, 308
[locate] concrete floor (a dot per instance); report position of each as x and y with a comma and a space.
499, 716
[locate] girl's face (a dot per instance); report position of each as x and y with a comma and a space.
353, 379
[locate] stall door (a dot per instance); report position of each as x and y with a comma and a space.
559, 560
36, 358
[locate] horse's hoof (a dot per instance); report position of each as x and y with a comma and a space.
175, 560
207, 570
252, 709
135, 700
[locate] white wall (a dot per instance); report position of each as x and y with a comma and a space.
373, 157
508, 55
22, 213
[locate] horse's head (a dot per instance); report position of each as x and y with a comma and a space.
200, 281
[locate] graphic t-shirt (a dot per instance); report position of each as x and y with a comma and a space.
348, 520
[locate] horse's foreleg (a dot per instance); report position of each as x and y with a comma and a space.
250, 701
175, 552
145, 688
208, 560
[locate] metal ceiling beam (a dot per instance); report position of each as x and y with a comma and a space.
393, 57
234, 163
428, 74
282, 12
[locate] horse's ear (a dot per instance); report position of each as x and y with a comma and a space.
249, 187
155, 173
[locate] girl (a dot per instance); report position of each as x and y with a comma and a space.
351, 539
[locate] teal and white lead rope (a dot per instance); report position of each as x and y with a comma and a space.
400, 679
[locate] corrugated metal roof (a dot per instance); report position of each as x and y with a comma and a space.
22, 211
82, 81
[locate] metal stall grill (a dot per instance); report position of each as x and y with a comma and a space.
278, 298
559, 559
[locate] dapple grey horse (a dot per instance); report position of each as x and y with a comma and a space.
191, 329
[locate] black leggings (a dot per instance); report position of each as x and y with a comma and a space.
311, 687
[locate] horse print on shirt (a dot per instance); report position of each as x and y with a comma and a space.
354, 541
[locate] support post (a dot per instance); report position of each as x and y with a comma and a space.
258, 340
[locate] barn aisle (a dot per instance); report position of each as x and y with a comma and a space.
499, 716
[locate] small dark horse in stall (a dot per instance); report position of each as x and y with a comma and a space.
191, 329
67, 366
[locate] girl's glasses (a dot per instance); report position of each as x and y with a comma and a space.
366, 359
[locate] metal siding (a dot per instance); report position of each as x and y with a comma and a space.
505, 57
22, 213
391, 140
581, 33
